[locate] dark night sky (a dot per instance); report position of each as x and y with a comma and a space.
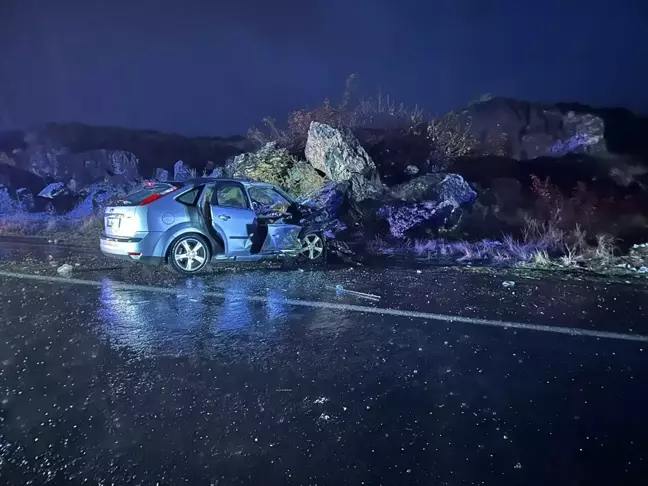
216, 67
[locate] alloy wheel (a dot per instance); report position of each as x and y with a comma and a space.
190, 255
312, 247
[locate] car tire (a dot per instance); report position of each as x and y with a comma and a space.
189, 254
313, 249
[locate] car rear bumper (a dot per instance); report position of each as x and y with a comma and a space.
139, 249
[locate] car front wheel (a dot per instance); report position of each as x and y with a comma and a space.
313, 249
189, 254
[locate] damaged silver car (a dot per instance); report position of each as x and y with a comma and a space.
193, 223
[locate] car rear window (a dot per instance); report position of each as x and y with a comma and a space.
148, 191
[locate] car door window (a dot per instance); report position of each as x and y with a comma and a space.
267, 196
230, 196
190, 198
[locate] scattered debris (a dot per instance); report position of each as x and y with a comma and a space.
508, 284
65, 269
341, 290
52, 190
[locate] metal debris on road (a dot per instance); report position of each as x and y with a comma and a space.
341, 290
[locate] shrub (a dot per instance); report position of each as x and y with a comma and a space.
7, 204
347, 113
604, 249
564, 212
450, 138
277, 166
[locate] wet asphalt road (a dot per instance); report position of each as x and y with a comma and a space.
132, 375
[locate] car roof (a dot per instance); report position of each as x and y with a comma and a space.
202, 180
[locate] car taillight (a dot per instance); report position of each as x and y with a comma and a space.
155, 197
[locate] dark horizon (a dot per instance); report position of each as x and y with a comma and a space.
204, 70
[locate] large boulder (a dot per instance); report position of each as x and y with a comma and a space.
430, 203
420, 220
152, 149
161, 175
339, 155
435, 187
181, 172
80, 170
524, 130
277, 166
576, 133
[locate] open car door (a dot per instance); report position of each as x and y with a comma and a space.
232, 217
282, 238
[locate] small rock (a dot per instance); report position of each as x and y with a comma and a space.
508, 284
65, 269
411, 170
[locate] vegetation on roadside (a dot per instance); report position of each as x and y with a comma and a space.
448, 136
84, 223
560, 232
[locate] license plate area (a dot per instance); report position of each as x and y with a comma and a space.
113, 221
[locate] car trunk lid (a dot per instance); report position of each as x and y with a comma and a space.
127, 215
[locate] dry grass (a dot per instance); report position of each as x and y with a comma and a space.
81, 231
571, 257
605, 248
541, 258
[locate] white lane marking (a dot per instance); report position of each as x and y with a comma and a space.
571, 331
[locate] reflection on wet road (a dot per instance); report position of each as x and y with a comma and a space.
111, 384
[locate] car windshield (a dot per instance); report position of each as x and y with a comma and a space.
267, 196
